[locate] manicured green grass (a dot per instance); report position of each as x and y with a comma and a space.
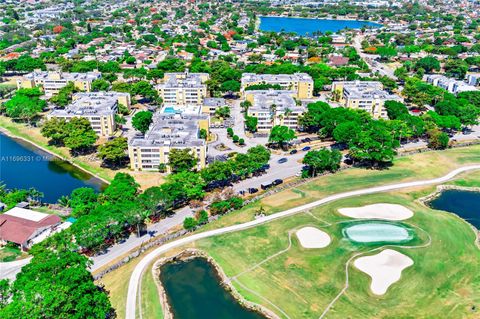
303, 282
151, 307
443, 282
408, 168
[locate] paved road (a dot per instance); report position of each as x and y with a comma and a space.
382, 68
131, 303
133, 241
9, 270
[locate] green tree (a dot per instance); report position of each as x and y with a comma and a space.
25, 105
100, 85
191, 182
142, 120
189, 223
322, 160
122, 188
437, 139
62, 277
181, 160
428, 64
113, 151
79, 134
395, 109
83, 201
281, 134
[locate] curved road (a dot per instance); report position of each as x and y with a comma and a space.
139, 269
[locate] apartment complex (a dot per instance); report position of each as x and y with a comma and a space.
364, 95
183, 88
168, 131
473, 79
453, 86
211, 104
300, 83
273, 107
99, 108
52, 82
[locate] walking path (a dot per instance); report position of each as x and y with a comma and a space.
132, 295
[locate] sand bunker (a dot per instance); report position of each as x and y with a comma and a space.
311, 237
378, 211
384, 268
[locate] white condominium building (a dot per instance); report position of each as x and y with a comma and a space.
99, 108
51, 82
364, 95
272, 108
168, 131
300, 83
183, 88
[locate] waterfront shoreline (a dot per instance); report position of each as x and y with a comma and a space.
191, 253
425, 201
8, 133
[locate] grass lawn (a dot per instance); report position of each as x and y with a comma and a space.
408, 168
442, 283
8, 253
303, 282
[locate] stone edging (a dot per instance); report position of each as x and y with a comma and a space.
191, 253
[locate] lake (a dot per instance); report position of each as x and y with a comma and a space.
463, 203
194, 292
303, 26
22, 165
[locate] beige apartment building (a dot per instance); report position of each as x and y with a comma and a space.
273, 107
99, 108
300, 83
363, 95
183, 88
51, 82
167, 132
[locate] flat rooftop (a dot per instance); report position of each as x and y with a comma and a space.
173, 130
89, 104
269, 78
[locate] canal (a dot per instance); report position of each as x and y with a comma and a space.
22, 165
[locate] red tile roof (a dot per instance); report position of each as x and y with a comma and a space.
18, 230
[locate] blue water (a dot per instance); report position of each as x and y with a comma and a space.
194, 292
24, 166
302, 26
169, 110
463, 203
375, 232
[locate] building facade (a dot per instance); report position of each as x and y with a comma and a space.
364, 95
99, 108
300, 83
183, 88
53, 82
273, 107
453, 86
167, 132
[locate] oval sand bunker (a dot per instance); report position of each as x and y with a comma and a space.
385, 268
311, 237
378, 211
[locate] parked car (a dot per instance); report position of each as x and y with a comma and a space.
282, 160
306, 148
293, 152
265, 186
252, 190
306, 140
277, 182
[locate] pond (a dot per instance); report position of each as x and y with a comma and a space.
194, 292
304, 26
22, 165
465, 204
377, 232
